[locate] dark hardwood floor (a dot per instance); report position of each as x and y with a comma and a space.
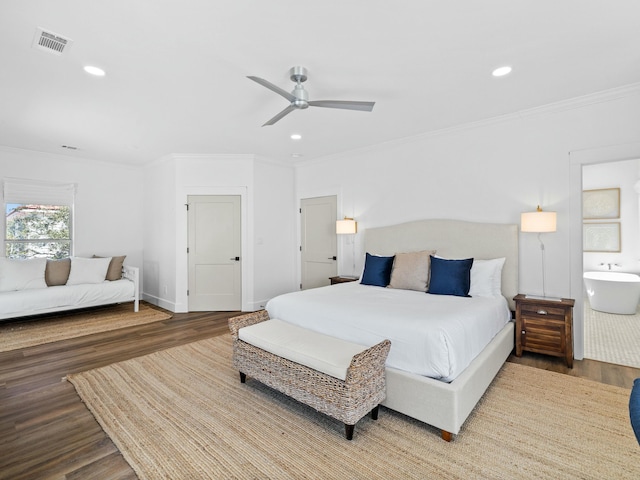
47, 432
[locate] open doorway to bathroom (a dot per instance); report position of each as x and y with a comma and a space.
611, 246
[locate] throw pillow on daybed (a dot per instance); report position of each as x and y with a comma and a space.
114, 272
57, 272
22, 274
88, 270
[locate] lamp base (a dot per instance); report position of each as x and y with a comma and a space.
540, 297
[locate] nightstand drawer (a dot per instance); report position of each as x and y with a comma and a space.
538, 311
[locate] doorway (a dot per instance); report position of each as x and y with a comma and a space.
613, 248
318, 241
214, 258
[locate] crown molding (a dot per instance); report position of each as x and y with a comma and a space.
66, 157
561, 106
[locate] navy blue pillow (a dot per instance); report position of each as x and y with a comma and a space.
377, 270
634, 408
450, 277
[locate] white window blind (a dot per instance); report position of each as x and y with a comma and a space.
35, 192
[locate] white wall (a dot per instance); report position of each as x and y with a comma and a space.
266, 192
159, 270
623, 175
490, 172
274, 231
108, 205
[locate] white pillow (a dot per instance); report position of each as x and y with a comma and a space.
88, 270
25, 274
486, 277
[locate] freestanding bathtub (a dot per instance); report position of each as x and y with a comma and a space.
613, 292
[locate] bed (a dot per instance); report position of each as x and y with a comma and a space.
440, 392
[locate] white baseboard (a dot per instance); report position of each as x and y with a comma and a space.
160, 302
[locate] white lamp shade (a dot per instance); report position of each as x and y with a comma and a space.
538, 222
346, 226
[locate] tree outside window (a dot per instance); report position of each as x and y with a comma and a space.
37, 231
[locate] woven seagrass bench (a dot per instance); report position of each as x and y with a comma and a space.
343, 380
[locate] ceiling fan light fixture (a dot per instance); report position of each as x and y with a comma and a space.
501, 71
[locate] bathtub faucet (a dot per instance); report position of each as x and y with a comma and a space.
610, 264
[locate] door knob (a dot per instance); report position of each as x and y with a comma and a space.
332, 258
237, 259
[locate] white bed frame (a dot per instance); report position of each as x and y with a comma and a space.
446, 406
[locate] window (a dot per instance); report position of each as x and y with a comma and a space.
38, 219
38, 231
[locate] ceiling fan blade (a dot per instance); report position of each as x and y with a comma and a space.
362, 106
273, 88
284, 112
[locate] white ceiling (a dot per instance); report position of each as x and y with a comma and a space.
176, 70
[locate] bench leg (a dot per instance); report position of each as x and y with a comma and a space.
243, 377
374, 413
348, 430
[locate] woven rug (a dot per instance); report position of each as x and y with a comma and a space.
47, 329
182, 413
612, 338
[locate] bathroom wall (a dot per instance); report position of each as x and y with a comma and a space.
626, 176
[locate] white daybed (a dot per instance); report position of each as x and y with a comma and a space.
445, 405
49, 299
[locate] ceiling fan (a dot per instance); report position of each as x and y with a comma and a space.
299, 97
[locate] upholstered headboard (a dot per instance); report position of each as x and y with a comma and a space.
453, 239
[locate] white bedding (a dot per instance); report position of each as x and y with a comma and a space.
431, 335
36, 300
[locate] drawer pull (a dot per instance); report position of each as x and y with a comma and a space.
523, 332
542, 312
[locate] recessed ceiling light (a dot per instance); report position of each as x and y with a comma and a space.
98, 72
297, 155
296, 136
501, 71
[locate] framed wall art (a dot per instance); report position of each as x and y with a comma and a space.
601, 237
601, 204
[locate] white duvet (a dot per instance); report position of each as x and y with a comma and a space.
432, 335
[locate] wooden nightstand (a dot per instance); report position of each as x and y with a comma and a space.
342, 279
545, 326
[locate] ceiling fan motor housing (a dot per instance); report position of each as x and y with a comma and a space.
302, 97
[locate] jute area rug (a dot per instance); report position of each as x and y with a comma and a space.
47, 329
182, 413
612, 338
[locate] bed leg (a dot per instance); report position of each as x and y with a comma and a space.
243, 377
348, 431
446, 436
374, 413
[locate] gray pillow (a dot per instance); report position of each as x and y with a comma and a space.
114, 272
57, 272
411, 271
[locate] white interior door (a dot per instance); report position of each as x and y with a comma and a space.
319, 245
215, 273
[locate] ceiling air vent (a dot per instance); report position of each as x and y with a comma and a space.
50, 42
